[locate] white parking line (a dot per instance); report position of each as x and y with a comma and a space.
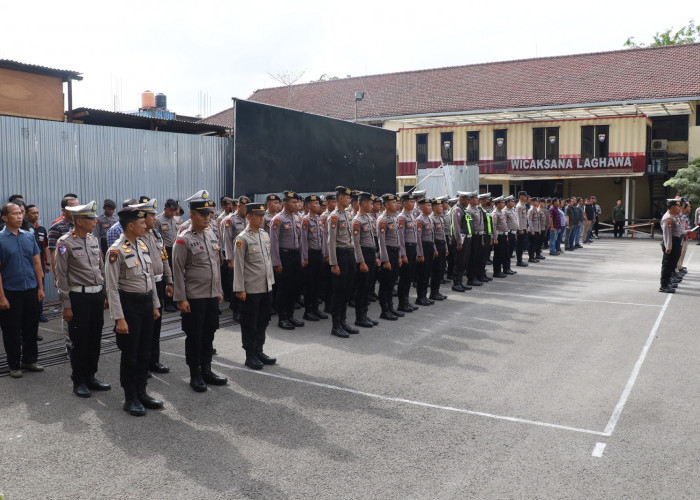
465, 298
598, 450
403, 400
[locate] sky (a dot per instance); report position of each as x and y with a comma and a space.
201, 54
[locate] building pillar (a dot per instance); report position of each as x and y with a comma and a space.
633, 204
627, 199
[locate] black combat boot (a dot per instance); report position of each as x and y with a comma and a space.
210, 377
196, 381
132, 404
337, 329
147, 401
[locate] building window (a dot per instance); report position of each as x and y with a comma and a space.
422, 150
671, 128
446, 147
545, 143
594, 141
496, 190
500, 145
472, 146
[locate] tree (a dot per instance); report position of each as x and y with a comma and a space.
686, 182
687, 34
287, 78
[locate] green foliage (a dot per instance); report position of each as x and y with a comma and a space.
686, 182
687, 34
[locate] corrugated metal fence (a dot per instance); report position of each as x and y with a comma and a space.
43, 160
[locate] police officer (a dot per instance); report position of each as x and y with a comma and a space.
162, 274
198, 290
80, 282
252, 283
521, 213
390, 256
167, 227
313, 252
363, 230
672, 230
438, 269
134, 305
477, 242
231, 227
485, 207
274, 206
326, 281
413, 251
285, 240
500, 238
533, 228
426, 233
461, 234
342, 260
104, 222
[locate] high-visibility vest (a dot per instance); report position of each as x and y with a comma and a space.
487, 217
468, 218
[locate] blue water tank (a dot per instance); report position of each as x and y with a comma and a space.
161, 101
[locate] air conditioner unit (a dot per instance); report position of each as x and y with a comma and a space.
659, 145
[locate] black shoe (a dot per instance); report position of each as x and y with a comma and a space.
474, 283
485, 279
296, 322
437, 296
559, 252
265, 359
149, 402
458, 288
412, 306
351, 303
96, 385
349, 328
81, 390
423, 302
39, 338
339, 332
577, 246
500, 275
320, 315
285, 325
667, 289
373, 321
396, 313
674, 285
521, 264
197, 383
211, 378
252, 361
159, 368
534, 261
388, 316
540, 257
42, 319
405, 308
444, 282
553, 253
310, 316
511, 272
489, 262
134, 407
364, 322
170, 308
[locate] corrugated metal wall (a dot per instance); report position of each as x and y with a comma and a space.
447, 180
44, 160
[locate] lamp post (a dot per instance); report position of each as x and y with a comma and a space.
358, 97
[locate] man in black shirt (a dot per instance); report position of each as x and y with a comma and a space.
41, 236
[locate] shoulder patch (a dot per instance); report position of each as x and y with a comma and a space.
334, 218
305, 223
401, 223
275, 224
179, 241
356, 224
61, 249
382, 224
239, 243
227, 223
670, 222
113, 256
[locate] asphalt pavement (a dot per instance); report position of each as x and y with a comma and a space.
574, 378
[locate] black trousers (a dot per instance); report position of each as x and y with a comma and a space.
288, 283
669, 261
520, 245
474, 266
388, 277
199, 326
155, 339
438, 267
618, 228
104, 246
311, 277
406, 273
511, 246
424, 269
20, 324
535, 245
135, 346
364, 282
226, 281
85, 331
461, 258
500, 254
485, 254
255, 316
342, 284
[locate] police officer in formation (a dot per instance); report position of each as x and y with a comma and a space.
413, 252
363, 230
231, 227
391, 255
673, 230
461, 234
313, 254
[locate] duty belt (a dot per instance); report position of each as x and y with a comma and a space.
480, 232
86, 289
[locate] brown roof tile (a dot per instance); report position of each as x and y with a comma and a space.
622, 75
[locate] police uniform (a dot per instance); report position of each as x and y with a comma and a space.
521, 213
197, 282
269, 215
390, 253
326, 286
440, 238
231, 227
167, 227
341, 254
130, 285
500, 239
363, 230
426, 234
80, 280
477, 247
412, 250
487, 237
534, 227
461, 235
285, 241
513, 224
313, 251
672, 230
253, 274
104, 222
163, 277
